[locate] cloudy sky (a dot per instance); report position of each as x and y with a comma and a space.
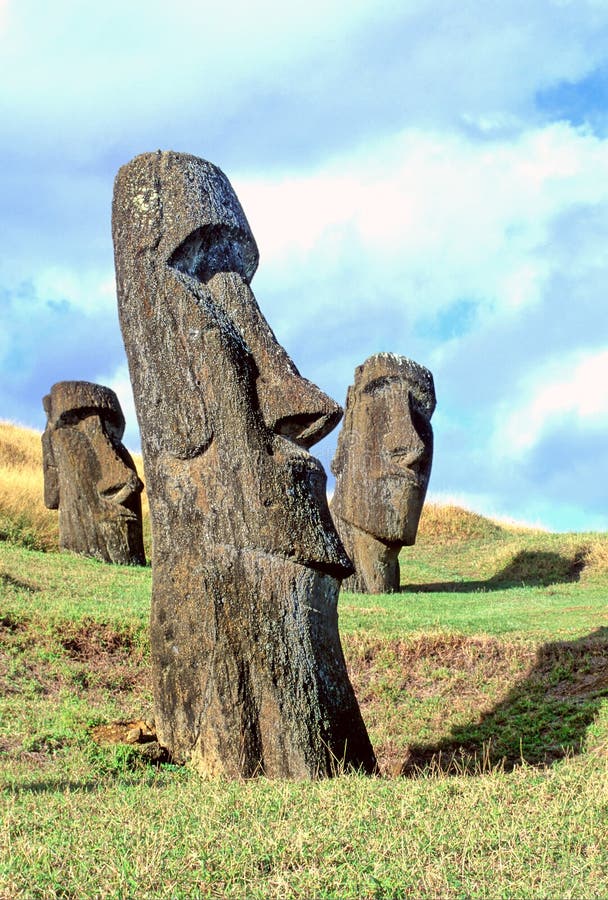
428, 177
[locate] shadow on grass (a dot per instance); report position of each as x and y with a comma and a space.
528, 568
59, 786
8, 581
543, 718
92, 786
128, 766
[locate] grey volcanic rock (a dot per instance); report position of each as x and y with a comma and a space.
382, 467
248, 671
89, 475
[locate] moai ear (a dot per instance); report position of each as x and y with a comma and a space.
49, 466
168, 379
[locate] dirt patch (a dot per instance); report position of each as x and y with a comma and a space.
104, 658
10, 624
494, 710
457, 651
413, 666
90, 639
428, 684
139, 731
573, 669
100, 659
109, 660
138, 734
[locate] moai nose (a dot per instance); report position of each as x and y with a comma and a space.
291, 405
297, 409
409, 438
117, 481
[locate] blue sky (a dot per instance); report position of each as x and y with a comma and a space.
428, 177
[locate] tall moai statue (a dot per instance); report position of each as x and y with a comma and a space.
89, 475
382, 467
248, 670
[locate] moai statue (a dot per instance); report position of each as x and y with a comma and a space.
382, 467
89, 475
248, 671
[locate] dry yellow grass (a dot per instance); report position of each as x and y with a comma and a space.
453, 523
20, 447
597, 557
23, 515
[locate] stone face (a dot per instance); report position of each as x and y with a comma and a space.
248, 671
89, 475
382, 467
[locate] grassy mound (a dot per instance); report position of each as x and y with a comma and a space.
453, 523
500, 555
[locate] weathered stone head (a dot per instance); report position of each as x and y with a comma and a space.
382, 467
247, 664
89, 475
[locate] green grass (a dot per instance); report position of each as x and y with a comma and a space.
485, 684
523, 583
171, 835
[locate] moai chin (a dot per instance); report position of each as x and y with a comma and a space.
248, 670
382, 467
89, 475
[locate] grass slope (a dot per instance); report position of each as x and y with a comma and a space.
484, 685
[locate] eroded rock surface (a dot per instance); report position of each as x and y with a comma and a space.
89, 475
382, 467
248, 671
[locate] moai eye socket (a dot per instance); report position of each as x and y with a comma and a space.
381, 385
216, 248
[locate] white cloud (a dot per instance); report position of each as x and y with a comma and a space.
571, 391
87, 290
323, 72
425, 219
158, 54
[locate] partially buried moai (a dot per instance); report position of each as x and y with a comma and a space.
89, 475
382, 467
248, 671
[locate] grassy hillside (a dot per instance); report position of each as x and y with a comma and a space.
484, 685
